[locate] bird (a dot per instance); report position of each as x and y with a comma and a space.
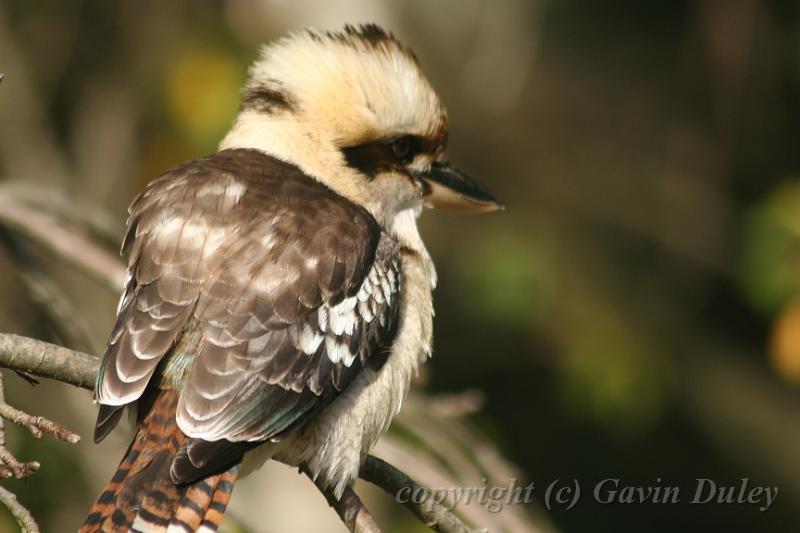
279, 293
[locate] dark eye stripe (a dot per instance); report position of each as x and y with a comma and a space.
370, 158
384, 155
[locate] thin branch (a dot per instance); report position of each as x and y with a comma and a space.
24, 518
392, 480
50, 361
349, 507
12, 466
9, 464
37, 425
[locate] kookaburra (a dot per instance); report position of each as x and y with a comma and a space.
279, 294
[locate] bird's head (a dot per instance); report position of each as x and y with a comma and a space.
354, 110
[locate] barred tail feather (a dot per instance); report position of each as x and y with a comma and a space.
142, 498
203, 505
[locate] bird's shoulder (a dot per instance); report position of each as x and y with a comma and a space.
243, 208
248, 183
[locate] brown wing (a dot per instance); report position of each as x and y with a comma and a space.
253, 383
247, 264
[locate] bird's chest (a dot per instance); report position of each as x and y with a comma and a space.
334, 444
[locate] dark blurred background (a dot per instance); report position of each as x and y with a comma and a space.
633, 314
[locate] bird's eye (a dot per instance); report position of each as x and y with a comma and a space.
402, 148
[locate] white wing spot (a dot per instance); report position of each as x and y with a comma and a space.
322, 316
342, 317
309, 340
336, 350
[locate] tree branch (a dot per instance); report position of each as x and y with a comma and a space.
11, 466
22, 515
392, 480
349, 507
47, 360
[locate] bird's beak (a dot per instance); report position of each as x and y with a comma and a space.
446, 187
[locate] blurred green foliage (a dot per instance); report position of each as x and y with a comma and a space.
511, 276
771, 251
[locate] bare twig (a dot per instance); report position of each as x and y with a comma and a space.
49, 361
434, 515
349, 507
10, 465
38, 425
26, 522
